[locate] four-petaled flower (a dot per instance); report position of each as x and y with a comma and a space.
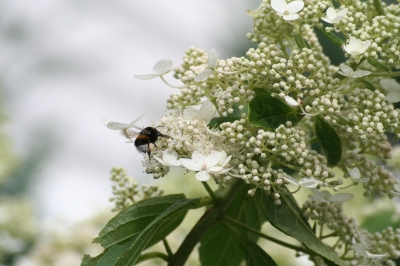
393, 89
310, 182
212, 62
287, 11
360, 249
162, 67
333, 17
325, 196
356, 48
349, 72
213, 163
356, 175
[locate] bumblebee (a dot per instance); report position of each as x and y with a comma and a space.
146, 140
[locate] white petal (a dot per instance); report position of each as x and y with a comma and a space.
393, 97
346, 69
364, 46
344, 74
207, 111
132, 124
343, 12
292, 16
390, 85
203, 75
222, 156
215, 169
146, 76
295, 6
360, 250
190, 164
279, 5
308, 182
290, 179
159, 160
354, 173
171, 157
331, 13
337, 19
212, 159
163, 66
361, 73
199, 158
226, 161
341, 197
202, 176
213, 56
292, 102
327, 20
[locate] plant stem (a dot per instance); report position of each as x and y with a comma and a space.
277, 241
385, 74
151, 255
167, 248
206, 221
209, 190
379, 8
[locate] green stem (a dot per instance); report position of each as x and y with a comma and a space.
227, 219
167, 248
206, 221
150, 256
385, 74
209, 190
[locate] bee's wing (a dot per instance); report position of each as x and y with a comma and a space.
145, 132
130, 133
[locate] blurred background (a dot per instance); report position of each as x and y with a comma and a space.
64, 64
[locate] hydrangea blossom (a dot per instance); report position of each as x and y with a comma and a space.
393, 89
206, 165
347, 71
287, 11
161, 68
334, 17
356, 48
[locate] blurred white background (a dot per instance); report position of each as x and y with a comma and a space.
65, 64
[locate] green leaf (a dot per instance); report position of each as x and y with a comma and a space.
269, 113
254, 255
169, 218
368, 85
289, 219
236, 115
378, 65
219, 246
108, 257
329, 141
131, 221
332, 37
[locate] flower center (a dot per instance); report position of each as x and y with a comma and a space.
204, 167
286, 12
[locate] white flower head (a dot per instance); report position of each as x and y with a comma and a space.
287, 11
393, 89
162, 67
355, 174
212, 62
333, 17
169, 158
213, 163
356, 48
347, 71
206, 113
120, 126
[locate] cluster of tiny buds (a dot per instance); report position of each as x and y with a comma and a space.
126, 192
